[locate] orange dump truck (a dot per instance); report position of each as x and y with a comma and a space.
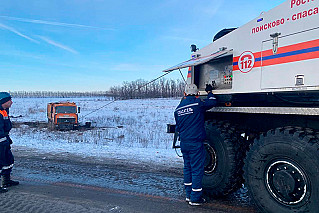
63, 115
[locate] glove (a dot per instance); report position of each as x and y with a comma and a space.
208, 88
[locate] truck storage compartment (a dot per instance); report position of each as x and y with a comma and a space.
290, 64
217, 72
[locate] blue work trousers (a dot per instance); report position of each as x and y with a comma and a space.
6, 158
194, 161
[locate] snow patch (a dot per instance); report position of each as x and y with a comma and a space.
132, 130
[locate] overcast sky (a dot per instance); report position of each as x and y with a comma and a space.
90, 45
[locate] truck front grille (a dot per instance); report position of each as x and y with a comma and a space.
66, 120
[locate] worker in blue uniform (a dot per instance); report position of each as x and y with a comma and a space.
6, 157
190, 125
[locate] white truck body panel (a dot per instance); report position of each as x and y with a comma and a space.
257, 66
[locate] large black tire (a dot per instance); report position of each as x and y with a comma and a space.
225, 151
282, 170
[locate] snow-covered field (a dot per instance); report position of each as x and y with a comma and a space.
133, 130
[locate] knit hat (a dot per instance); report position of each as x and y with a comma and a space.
4, 97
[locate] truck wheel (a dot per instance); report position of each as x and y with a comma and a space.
51, 125
224, 159
282, 170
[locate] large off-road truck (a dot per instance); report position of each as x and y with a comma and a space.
265, 130
63, 115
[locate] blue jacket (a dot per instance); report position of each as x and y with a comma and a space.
189, 117
5, 125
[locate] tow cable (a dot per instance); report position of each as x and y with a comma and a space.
134, 91
175, 138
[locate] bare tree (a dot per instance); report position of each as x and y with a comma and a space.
141, 89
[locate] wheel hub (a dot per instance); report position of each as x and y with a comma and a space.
286, 182
211, 159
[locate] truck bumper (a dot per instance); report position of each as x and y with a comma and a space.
66, 126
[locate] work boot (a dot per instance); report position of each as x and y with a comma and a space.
7, 182
3, 190
199, 202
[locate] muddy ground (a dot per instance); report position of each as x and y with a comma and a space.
71, 183
65, 182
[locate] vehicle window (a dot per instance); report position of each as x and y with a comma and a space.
66, 109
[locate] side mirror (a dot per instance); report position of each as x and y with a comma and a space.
79, 109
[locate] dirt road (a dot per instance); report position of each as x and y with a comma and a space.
68, 183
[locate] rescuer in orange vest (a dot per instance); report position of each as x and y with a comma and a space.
6, 157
